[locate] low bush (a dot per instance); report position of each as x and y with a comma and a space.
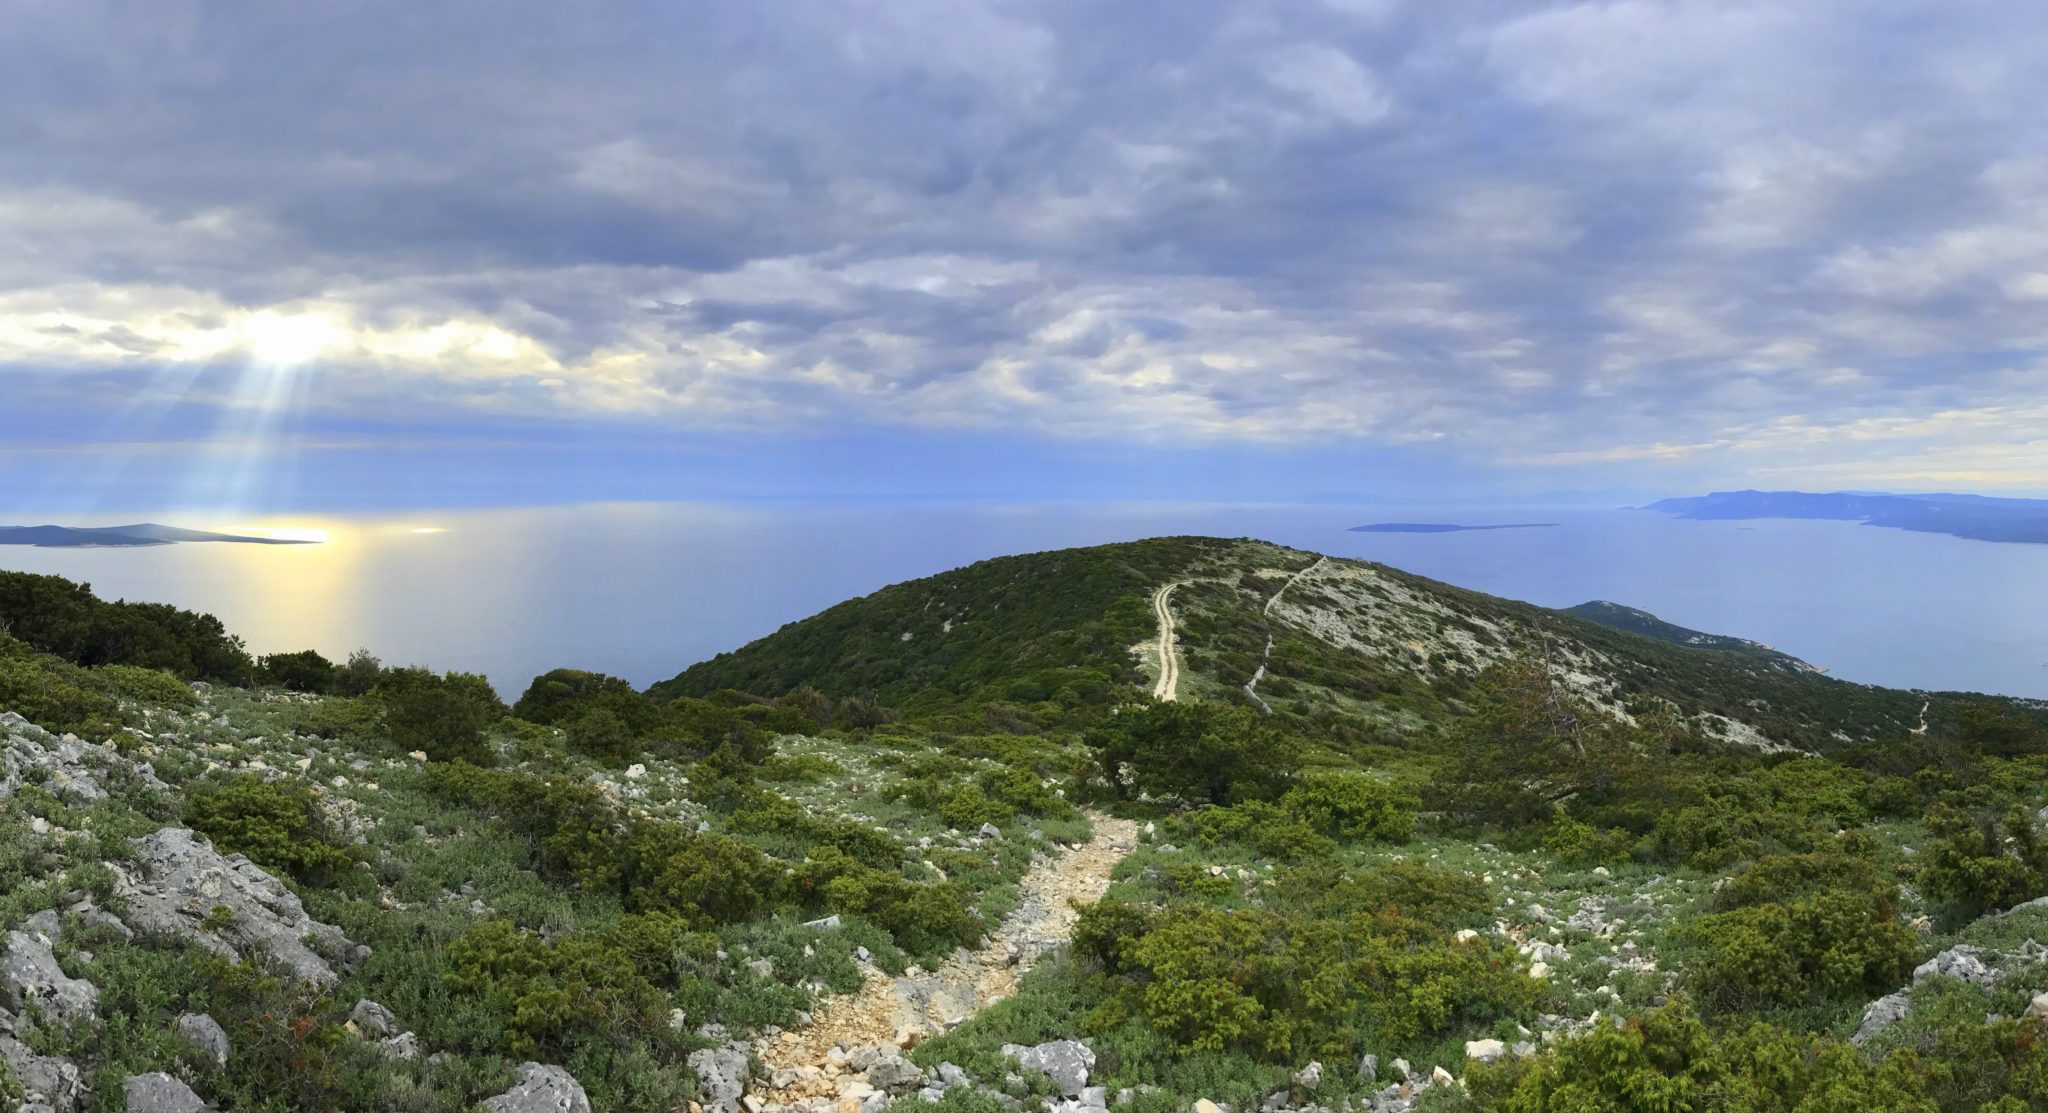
278, 824
1980, 861
1353, 807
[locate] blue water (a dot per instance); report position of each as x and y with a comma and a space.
641, 590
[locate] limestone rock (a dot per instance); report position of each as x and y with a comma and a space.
1485, 1051
1881, 1014
1309, 1077
1066, 1062
894, 1074
177, 880
721, 1076
73, 770
1204, 1105
373, 1020
541, 1089
47, 1082
203, 1034
30, 976
157, 1092
1960, 962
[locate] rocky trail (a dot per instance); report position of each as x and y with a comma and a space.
847, 1059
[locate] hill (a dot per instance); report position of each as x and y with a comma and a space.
130, 536
1974, 517
1618, 617
1128, 829
1348, 647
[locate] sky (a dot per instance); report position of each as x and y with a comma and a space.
491, 252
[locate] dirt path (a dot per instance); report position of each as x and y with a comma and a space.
1251, 687
895, 1013
1168, 688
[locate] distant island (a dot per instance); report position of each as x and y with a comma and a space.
1975, 517
1440, 527
124, 537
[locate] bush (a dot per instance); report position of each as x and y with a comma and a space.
552, 995
56, 616
51, 693
1353, 807
304, 671
565, 695
1195, 750
1582, 844
278, 824
967, 808
1979, 862
1797, 928
603, 735
1285, 986
444, 717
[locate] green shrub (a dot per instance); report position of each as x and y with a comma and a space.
1353, 807
1022, 790
1267, 830
603, 735
563, 696
304, 671
1582, 844
443, 717
1199, 751
49, 694
1979, 862
553, 995
1285, 986
1797, 928
144, 685
278, 824
921, 917
967, 808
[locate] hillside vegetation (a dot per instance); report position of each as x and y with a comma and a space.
1391, 845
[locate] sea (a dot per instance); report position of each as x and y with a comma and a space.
641, 590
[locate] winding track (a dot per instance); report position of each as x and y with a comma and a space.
1168, 688
1251, 686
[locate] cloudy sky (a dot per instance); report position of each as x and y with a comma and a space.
379, 253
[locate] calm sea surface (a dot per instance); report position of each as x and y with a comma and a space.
641, 590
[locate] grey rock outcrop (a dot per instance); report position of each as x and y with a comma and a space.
47, 1082
1066, 1062
31, 979
203, 1034
541, 1089
721, 1076
157, 1092
1962, 962
176, 882
373, 1019
1881, 1014
73, 770
894, 1074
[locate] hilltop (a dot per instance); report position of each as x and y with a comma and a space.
130, 536
1136, 828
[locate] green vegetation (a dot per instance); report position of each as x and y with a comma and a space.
1663, 878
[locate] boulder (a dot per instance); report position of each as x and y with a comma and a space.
30, 977
1881, 1014
721, 1076
176, 882
1485, 1051
1960, 962
541, 1089
47, 1082
404, 1047
1204, 1105
157, 1092
894, 1074
373, 1020
1066, 1062
1309, 1077
933, 1004
203, 1034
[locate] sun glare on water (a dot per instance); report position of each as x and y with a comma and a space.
312, 534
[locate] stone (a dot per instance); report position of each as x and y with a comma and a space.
1466, 935
895, 1074
30, 977
1438, 1076
157, 1092
1309, 1077
177, 879
1369, 1068
1485, 1051
824, 924
541, 1089
1539, 969
373, 1019
1204, 1105
950, 1075
1066, 1062
721, 1075
47, 1081
1960, 962
2038, 1006
1095, 1097
991, 831
1881, 1014
203, 1034
934, 1004
1402, 1070
403, 1047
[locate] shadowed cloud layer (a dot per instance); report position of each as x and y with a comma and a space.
1693, 241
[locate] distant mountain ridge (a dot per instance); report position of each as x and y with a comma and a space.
131, 536
1974, 517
